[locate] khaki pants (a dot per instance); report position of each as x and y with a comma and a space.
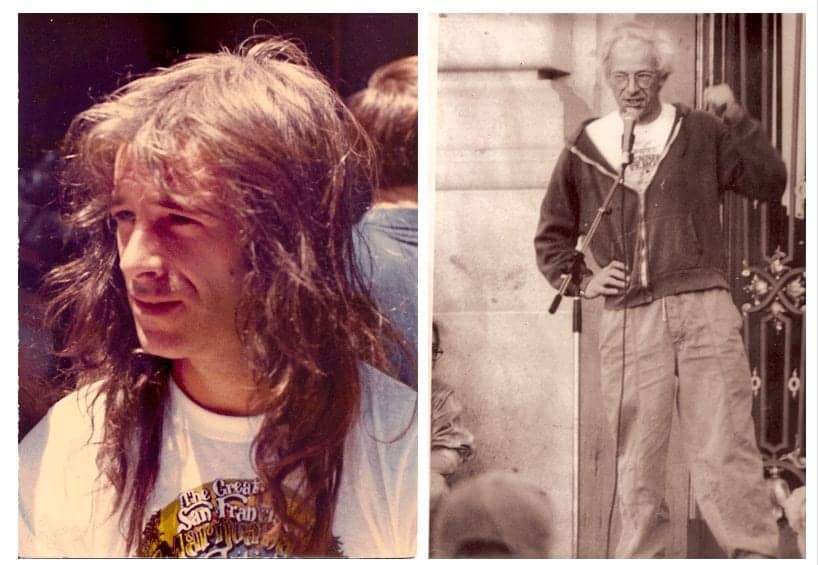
685, 353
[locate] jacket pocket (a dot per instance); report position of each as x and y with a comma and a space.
675, 245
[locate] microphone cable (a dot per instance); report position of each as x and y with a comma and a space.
621, 394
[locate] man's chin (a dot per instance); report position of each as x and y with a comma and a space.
637, 109
162, 344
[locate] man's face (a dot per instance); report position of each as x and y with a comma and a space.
181, 264
634, 79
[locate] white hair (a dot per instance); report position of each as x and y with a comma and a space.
658, 39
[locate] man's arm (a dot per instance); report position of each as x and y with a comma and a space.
748, 163
558, 227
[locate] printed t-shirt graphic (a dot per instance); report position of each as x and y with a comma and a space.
222, 518
648, 147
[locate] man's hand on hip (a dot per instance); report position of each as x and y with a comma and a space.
607, 282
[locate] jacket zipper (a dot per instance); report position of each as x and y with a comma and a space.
642, 246
643, 228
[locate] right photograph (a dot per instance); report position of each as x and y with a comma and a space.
618, 289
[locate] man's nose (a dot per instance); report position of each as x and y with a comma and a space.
142, 254
632, 86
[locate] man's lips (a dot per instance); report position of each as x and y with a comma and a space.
155, 307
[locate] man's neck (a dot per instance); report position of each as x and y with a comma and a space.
651, 116
223, 385
404, 196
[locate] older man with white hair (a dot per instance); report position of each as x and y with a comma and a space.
669, 334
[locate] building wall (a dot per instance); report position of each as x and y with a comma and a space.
499, 132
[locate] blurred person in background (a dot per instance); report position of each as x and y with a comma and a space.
387, 236
497, 514
452, 444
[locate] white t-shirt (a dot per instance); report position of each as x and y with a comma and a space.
204, 501
648, 144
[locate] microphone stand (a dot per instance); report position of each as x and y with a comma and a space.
573, 277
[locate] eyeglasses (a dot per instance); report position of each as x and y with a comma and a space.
644, 79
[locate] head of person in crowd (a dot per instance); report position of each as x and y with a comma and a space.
388, 110
495, 514
212, 205
636, 60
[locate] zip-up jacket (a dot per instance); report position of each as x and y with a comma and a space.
674, 228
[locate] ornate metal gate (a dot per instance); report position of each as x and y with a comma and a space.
761, 56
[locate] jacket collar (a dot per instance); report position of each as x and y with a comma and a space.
581, 145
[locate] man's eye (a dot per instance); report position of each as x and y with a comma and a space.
122, 216
179, 220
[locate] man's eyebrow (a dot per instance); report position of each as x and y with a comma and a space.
200, 210
170, 204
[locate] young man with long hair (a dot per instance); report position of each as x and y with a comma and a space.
218, 330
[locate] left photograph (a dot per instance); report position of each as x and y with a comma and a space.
217, 285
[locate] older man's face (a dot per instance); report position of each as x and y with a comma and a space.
635, 79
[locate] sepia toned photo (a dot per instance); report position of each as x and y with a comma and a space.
619, 339
218, 285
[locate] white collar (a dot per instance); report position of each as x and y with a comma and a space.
197, 419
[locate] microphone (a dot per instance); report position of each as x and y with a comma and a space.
629, 120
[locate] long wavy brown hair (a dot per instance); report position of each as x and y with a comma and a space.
288, 156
